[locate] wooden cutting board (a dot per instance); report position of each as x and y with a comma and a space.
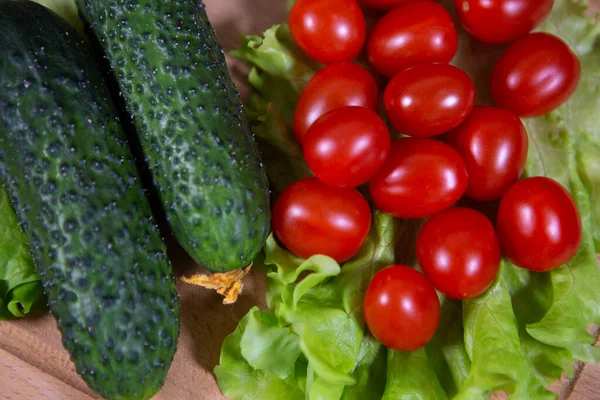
34, 365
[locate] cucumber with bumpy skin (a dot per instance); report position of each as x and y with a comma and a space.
72, 181
188, 115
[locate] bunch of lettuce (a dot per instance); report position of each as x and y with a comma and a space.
517, 337
20, 287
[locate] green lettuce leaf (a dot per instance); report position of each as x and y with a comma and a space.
283, 291
282, 154
492, 342
279, 72
551, 311
315, 324
370, 371
376, 253
562, 143
410, 376
239, 380
268, 346
446, 351
518, 336
330, 339
322, 389
574, 127
531, 296
20, 287
328, 336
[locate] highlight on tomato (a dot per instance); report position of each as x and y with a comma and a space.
416, 32
420, 177
328, 30
501, 21
383, 4
459, 253
493, 144
538, 224
429, 99
401, 308
334, 86
311, 218
347, 146
535, 75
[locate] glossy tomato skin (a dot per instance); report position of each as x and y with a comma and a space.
417, 32
501, 21
535, 75
333, 86
420, 177
429, 99
401, 308
538, 224
347, 146
383, 4
493, 144
328, 30
311, 218
459, 253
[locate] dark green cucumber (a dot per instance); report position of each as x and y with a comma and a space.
72, 181
195, 138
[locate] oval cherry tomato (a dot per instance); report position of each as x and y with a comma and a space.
311, 218
417, 32
459, 253
335, 85
383, 4
429, 99
535, 75
493, 144
420, 177
501, 21
538, 224
401, 308
328, 30
347, 146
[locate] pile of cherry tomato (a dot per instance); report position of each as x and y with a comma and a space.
450, 149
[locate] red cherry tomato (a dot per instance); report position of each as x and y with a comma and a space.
535, 75
328, 30
420, 177
383, 4
538, 224
459, 253
335, 85
501, 21
417, 32
493, 144
311, 218
429, 99
347, 146
401, 308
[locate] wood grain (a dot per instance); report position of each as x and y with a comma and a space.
35, 366
20, 380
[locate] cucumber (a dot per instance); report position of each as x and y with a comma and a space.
72, 180
193, 132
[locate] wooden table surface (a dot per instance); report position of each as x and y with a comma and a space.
34, 365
